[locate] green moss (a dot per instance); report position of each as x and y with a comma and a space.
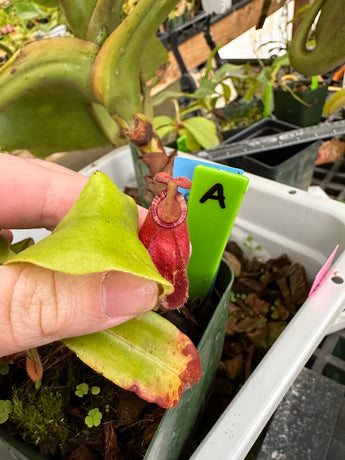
40, 417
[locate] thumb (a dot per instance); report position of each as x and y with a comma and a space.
39, 306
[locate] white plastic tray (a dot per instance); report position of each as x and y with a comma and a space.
281, 219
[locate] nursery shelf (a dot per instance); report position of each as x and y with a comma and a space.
195, 49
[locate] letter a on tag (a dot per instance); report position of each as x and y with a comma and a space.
216, 192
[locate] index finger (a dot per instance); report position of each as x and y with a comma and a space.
38, 193
33, 195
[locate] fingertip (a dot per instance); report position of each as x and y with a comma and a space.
125, 294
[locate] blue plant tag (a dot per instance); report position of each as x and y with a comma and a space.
186, 167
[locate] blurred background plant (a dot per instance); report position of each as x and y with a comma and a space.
24, 21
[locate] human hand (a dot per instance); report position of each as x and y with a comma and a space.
37, 305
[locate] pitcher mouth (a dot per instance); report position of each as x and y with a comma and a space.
181, 206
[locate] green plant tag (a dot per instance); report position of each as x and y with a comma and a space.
99, 234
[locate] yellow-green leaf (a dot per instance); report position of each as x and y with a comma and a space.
46, 97
334, 103
99, 234
147, 355
50, 119
203, 130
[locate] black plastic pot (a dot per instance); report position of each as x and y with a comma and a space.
292, 165
263, 127
291, 110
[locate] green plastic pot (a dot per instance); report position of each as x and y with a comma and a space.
288, 108
177, 423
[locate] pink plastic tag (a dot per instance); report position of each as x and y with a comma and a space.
322, 272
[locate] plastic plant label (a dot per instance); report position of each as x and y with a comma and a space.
214, 201
186, 167
323, 271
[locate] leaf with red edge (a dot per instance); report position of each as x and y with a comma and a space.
147, 355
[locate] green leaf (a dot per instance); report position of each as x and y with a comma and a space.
165, 130
5, 251
334, 103
203, 130
209, 64
161, 120
5, 369
26, 11
95, 390
105, 17
166, 95
5, 410
154, 56
45, 90
205, 89
226, 92
226, 71
78, 14
21, 245
147, 355
191, 144
50, 119
82, 389
99, 234
93, 418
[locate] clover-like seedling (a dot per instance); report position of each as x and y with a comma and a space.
82, 390
5, 410
93, 417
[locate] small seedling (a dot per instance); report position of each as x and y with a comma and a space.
261, 322
274, 313
4, 370
5, 410
95, 390
251, 245
93, 418
82, 390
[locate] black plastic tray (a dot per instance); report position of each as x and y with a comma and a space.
264, 127
291, 164
331, 178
